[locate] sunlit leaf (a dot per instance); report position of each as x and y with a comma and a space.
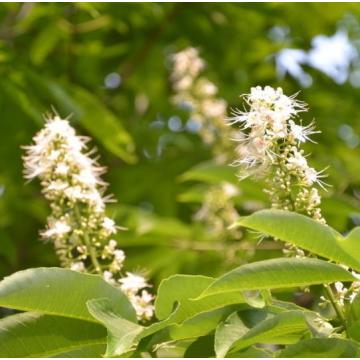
61, 292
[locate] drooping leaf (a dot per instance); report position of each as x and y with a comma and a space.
122, 334
36, 335
308, 234
321, 348
62, 292
278, 273
284, 328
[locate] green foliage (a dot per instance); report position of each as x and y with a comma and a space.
36, 335
278, 273
308, 234
322, 348
45, 289
216, 295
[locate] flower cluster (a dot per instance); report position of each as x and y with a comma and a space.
270, 148
199, 95
78, 226
218, 211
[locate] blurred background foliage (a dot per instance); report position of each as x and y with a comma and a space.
107, 65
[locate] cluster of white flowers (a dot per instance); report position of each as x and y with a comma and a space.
78, 226
199, 95
270, 148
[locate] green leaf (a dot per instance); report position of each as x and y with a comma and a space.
173, 305
227, 333
210, 172
278, 273
90, 351
283, 328
103, 124
98, 120
322, 348
200, 325
177, 288
37, 335
251, 352
181, 290
201, 348
62, 292
353, 330
122, 334
45, 42
308, 234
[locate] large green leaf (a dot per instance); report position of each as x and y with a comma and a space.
174, 306
62, 292
36, 335
322, 348
283, 328
278, 273
308, 234
176, 299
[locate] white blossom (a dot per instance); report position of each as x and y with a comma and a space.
109, 226
143, 305
78, 225
269, 148
196, 93
77, 266
132, 283
57, 229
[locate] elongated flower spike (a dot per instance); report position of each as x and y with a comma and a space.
193, 91
81, 232
270, 148
207, 112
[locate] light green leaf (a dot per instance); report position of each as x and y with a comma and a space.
181, 290
122, 334
308, 234
278, 273
37, 335
251, 352
173, 305
322, 348
201, 324
90, 351
227, 333
283, 328
62, 292
178, 288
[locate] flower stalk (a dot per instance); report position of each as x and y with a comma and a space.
269, 148
82, 233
